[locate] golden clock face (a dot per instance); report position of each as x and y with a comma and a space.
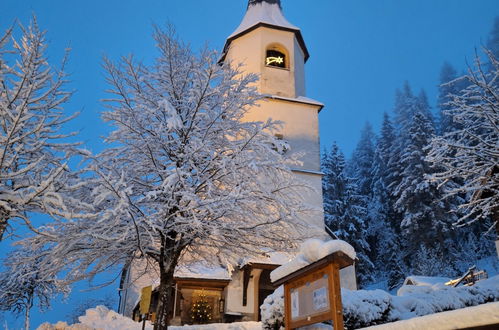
275, 58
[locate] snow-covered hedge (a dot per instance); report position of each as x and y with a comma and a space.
364, 308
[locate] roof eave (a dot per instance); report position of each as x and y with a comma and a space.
297, 32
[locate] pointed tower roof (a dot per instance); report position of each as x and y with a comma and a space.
265, 13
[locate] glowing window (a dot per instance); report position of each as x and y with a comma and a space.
275, 58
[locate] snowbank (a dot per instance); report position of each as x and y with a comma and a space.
98, 318
463, 318
101, 318
311, 251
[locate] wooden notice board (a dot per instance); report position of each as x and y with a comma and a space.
313, 293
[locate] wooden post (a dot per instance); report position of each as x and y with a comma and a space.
335, 296
287, 306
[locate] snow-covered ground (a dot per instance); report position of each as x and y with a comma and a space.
101, 318
461, 318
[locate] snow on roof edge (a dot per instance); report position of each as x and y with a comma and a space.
263, 12
311, 251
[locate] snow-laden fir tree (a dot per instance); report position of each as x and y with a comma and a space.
333, 185
470, 155
424, 213
345, 210
493, 41
23, 282
449, 85
380, 204
360, 165
185, 178
33, 151
404, 109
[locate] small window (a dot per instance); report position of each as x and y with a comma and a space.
275, 58
281, 145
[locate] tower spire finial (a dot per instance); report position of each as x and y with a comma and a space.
254, 2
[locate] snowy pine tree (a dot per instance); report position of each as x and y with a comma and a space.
449, 85
493, 40
360, 165
380, 204
345, 210
333, 186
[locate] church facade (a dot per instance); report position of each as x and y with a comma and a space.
266, 44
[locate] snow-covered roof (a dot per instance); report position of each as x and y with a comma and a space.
270, 258
202, 271
311, 251
425, 280
299, 99
264, 13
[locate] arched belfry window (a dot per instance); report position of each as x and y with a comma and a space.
276, 56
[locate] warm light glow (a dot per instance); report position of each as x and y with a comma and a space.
277, 60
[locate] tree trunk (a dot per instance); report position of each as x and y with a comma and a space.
165, 300
3, 227
26, 314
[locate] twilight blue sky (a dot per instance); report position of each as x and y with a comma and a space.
361, 51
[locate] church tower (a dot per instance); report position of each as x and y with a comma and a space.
271, 47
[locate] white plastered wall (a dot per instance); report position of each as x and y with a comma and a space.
250, 49
140, 274
234, 295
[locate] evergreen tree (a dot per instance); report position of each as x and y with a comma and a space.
360, 165
380, 206
493, 42
415, 195
419, 210
425, 212
333, 185
448, 87
201, 311
353, 226
406, 105
345, 210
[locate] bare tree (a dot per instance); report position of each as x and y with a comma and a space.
185, 174
23, 282
469, 155
33, 153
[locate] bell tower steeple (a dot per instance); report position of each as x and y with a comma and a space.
278, 52
267, 44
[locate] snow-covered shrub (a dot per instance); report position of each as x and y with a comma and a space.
273, 310
364, 308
